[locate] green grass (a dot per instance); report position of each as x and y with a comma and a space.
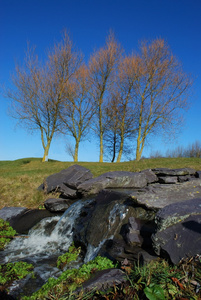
19, 179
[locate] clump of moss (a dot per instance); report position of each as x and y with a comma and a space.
69, 256
6, 233
69, 280
13, 271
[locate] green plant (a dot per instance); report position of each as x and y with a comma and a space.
69, 256
69, 280
154, 292
6, 233
14, 271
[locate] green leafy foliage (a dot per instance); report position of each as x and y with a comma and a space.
70, 279
6, 233
154, 292
14, 271
69, 256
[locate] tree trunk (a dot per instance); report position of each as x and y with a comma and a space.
46, 151
45, 156
76, 151
138, 155
114, 148
120, 149
101, 148
138, 150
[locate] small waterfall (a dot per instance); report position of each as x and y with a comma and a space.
51, 236
93, 251
116, 214
117, 210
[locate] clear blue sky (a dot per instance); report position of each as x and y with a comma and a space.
41, 22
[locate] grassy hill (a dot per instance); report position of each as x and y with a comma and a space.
20, 178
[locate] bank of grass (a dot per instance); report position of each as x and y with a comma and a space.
19, 179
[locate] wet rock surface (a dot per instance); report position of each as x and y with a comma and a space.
23, 219
104, 220
9, 213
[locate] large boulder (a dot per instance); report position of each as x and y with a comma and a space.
67, 180
117, 179
9, 213
102, 225
23, 219
178, 230
157, 196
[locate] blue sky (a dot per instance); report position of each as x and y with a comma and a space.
41, 23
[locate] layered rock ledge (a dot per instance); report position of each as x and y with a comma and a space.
127, 215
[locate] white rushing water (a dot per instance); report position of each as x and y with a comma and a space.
51, 236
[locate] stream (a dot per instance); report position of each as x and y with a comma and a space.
47, 240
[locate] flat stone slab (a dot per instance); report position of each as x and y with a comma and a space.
160, 195
173, 172
104, 279
116, 179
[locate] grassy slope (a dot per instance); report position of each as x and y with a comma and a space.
19, 179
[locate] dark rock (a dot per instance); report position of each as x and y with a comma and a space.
177, 212
111, 212
118, 179
184, 178
23, 219
56, 204
133, 236
66, 191
173, 172
5, 296
71, 177
145, 257
150, 176
104, 219
198, 174
178, 230
102, 280
114, 249
41, 187
8, 213
168, 179
76, 175
160, 195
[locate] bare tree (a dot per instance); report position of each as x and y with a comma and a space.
123, 110
78, 108
111, 140
161, 91
40, 89
102, 67
192, 150
70, 149
119, 127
